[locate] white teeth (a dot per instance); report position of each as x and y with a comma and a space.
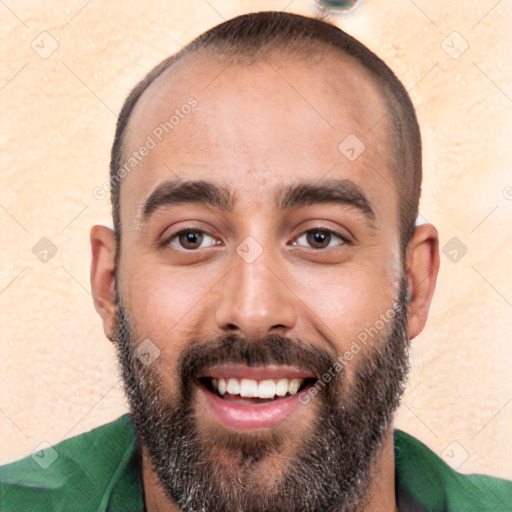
249, 388
266, 389
221, 386
282, 387
294, 386
233, 387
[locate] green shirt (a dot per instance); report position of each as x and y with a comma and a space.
99, 471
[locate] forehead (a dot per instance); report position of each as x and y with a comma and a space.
256, 126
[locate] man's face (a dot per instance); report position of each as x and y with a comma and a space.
251, 302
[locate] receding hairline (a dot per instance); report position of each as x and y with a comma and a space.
252, 37
316, 54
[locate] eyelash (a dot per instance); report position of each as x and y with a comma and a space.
343, 238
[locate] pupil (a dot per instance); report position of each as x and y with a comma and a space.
191, 238
318, 238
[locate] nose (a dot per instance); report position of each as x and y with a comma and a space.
255, 301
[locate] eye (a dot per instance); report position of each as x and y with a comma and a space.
191, 239
321, 239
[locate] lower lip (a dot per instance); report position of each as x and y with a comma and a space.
251, 417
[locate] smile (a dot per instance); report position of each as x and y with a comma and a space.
248, 398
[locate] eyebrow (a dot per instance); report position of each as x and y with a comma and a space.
174, 192
339, 191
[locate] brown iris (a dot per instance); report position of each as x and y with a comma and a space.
318, 239
190, 239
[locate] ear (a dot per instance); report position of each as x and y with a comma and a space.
103, 245
422, 268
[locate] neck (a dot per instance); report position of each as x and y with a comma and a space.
382, 485
381, 490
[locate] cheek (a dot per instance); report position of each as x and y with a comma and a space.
167, 307
347, 301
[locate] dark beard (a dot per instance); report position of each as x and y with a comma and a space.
332, 462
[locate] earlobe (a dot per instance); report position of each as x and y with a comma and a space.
422, 269
103, 245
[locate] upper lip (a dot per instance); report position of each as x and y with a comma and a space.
256, 372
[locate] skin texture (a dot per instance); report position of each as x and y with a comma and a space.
324, 465
258, 127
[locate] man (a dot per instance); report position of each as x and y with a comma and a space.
262, 284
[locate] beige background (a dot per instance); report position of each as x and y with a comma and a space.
58, 371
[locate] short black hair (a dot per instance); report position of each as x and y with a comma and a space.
258, 35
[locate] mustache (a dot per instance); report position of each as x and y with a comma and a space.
273, 349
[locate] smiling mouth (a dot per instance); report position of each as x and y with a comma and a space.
252, 391
247, 398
